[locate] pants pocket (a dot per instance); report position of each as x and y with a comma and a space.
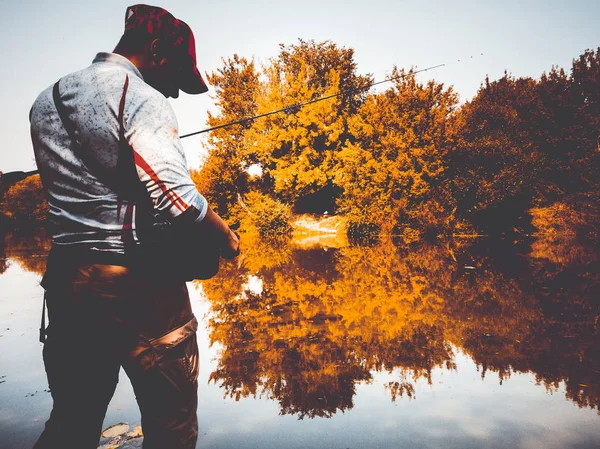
192, 359
180, 365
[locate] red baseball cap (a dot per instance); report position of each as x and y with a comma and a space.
159, 22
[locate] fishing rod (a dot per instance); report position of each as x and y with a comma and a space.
315, 100
300, 105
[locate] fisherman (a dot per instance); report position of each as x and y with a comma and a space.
102, 314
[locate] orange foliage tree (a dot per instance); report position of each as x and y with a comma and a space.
223, 174
407, 160
392, 172
296, 150
26, 200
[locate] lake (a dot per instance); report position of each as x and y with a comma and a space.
321, 343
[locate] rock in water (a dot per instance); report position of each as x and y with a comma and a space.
136, 432
115, 429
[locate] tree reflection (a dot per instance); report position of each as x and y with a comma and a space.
3, 258
321, 323
303, 327
544, 321
27, 247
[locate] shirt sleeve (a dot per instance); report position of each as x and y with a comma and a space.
152, 132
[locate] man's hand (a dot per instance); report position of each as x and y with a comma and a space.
232, 248
229, 240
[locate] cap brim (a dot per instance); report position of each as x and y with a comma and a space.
191, 81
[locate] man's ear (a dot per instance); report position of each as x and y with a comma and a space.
156, 50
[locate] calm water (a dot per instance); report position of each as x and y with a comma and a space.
469, 344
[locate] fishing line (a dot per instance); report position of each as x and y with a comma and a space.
300, 105
327, 97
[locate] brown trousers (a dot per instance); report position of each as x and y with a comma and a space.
101, 317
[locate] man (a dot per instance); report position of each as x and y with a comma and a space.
102, 314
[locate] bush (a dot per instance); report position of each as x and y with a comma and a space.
577, 217
270, 217
26, 200
358, 226
427, 219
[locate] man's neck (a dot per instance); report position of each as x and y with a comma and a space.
135, 59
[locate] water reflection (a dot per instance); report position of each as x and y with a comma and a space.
325, 319
305, 327
27, 247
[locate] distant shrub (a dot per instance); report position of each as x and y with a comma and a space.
270, 217
26, 200
426, 219
359, 226
579, 218
410, 235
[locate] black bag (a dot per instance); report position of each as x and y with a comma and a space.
174, 249
168, 249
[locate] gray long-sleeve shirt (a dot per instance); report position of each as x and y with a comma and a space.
84, 211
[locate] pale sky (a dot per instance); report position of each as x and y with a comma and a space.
44, 40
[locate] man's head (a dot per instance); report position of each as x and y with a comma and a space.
163, 49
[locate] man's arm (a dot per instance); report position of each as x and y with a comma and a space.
152, 132
231, 243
